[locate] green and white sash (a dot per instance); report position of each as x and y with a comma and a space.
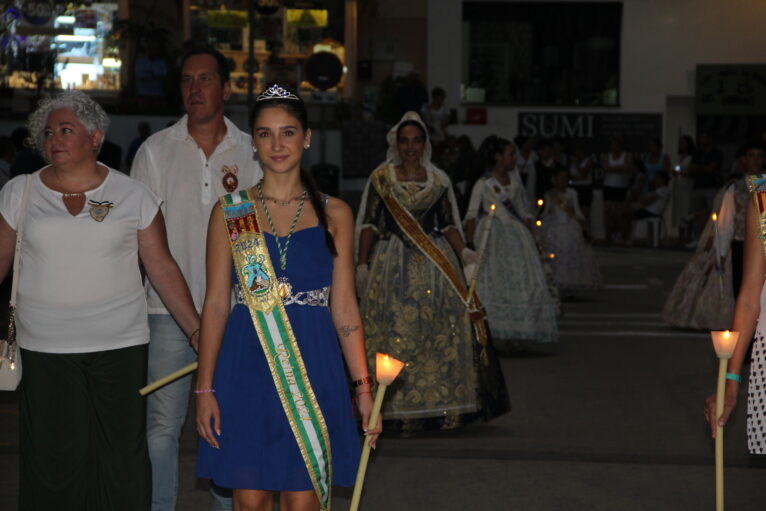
259, 288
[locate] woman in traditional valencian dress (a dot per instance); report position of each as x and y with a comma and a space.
273, 403
704, 293
702, 296
511, 280
574, 267
749, 320
413, 295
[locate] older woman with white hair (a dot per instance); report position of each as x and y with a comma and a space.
81, 315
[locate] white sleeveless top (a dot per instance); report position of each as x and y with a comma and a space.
616, 179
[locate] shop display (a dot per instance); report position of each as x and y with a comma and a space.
48, 45
59, 46
285, 37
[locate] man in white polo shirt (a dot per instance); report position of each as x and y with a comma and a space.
188, 165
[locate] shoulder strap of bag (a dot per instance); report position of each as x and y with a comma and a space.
19, 236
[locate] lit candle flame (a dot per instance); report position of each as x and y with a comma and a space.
540, 202
492, 208
552, 255
386, 368
539, 223
724, 342
714, 217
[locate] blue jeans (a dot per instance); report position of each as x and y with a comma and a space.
169, 351
221, 498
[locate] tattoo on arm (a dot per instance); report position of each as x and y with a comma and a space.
345, 330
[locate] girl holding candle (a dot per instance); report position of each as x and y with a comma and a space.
281, 247
413, 294
511, 280
749, 320
574, 267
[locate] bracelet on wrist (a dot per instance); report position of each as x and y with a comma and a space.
204, 391
734, 377
195, 331
364, 392
362, 381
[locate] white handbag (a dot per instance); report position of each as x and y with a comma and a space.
10, 357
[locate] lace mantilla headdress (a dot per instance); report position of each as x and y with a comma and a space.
276, 92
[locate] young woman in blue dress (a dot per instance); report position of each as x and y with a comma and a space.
249, 441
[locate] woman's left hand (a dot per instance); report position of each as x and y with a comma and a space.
364, 404
194, 341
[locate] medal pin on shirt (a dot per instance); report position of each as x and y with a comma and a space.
229, 179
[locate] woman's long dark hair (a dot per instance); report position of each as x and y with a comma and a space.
297, 109
487, 154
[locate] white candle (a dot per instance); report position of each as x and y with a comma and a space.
724, 343
718, 267
386, 370
714, 217
482, 248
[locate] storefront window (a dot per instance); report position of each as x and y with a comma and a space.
284, 37
541, 53
46, 45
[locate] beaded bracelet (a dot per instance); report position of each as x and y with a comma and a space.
203, 391
362, 381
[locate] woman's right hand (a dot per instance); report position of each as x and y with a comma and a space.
207, 412
729, 402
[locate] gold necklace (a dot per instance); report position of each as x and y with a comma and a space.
284, 286
287, 202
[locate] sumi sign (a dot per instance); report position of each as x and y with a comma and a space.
556, 125
593, 130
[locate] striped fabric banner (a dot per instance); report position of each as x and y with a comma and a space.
258, 282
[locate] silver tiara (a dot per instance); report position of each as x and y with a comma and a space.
276, 92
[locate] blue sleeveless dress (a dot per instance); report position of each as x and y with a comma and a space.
258, 450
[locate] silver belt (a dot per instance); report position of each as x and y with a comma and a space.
315, 297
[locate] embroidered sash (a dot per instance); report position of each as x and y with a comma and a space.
756, 184
411, 227
257, 279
